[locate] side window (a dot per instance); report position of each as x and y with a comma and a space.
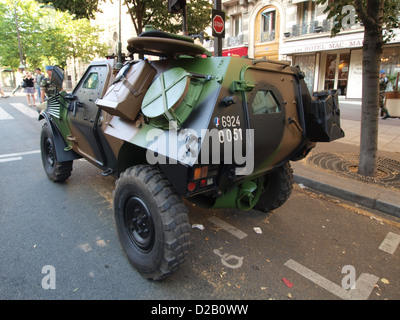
92, 81
265, 102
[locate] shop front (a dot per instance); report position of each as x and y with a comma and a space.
336, 63
235, 52
328, 63
335, 70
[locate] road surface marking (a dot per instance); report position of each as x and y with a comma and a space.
390, 243
227, 257
363, 287
227, 227
10, 159
15, 156
31, 113
18, 154
4, 115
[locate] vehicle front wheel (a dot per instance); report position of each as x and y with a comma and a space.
56, 171
151, 221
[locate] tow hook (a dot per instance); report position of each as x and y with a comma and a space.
107, 172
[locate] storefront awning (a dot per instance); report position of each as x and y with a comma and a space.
235, 52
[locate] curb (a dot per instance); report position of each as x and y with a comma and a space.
370, 196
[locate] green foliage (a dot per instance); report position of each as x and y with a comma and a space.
155, 13
47, 36
80, 9
144, 12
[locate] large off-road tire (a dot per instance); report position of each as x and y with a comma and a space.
151, 221
278, 187
56, 171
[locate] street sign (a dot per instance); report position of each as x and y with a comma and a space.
218, 23
175, 6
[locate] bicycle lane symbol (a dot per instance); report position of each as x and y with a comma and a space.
237, 262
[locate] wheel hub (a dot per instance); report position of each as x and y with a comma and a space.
139, 224
49, 153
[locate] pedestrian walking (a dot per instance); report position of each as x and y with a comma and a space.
29, 89
38, 80
3, 95
383, 81
18, 80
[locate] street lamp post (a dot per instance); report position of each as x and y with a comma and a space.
217, 40
119, 64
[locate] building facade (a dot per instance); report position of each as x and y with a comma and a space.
299, 31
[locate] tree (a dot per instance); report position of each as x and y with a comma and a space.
80, 9
379, 18
17, 30
155, 13
47, 36
83, 41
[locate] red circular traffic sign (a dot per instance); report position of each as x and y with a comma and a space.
218, 24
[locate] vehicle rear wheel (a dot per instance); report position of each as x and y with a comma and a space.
151, 221
56, 171
278, 187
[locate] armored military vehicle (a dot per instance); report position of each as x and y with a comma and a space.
219, 131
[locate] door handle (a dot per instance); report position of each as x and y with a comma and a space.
292, 120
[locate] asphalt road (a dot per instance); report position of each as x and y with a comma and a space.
58, 241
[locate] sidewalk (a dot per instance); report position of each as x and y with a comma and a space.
371, 194
388, 135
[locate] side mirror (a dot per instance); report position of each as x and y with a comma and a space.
57, 77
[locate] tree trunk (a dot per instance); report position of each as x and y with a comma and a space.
372, 54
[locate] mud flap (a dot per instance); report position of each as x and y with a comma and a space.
324, 117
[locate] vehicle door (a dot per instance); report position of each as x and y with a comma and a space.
273, 113
84, 115
266, 110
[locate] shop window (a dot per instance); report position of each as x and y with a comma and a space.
337, 72
391, 64
268, 23
265, 102
307, 66
343, 75
330, 70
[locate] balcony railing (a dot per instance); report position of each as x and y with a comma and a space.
314, 27
234, 41
226, 42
